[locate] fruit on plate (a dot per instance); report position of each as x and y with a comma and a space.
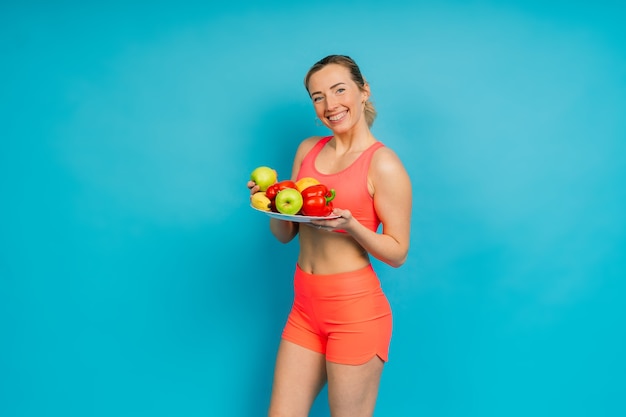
317, 200
264, 176
305, 182
275, 188
260, 201
288, 201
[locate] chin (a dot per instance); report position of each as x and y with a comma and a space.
340, 128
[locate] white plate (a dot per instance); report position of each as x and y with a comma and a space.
295, 217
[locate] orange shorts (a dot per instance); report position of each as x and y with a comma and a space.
345, 316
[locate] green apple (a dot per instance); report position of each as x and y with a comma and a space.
289, 201
264, 177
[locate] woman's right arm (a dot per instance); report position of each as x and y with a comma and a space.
283, 230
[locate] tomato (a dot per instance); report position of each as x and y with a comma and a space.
317, 200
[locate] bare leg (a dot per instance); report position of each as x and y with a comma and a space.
299, 376
352, 390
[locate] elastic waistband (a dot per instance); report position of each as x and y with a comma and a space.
342, 283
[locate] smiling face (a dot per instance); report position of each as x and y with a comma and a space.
337, 99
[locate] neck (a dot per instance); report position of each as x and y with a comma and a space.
356, 139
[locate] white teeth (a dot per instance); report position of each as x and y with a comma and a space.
336, 117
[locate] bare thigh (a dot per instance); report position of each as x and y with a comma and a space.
353, 389
299, 376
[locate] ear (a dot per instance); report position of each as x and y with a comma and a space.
365, 91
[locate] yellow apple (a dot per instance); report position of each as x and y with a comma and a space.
305, 182
264, 177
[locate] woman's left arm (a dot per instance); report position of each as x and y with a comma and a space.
393, 198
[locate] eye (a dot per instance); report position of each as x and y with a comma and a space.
317, 99
340, 90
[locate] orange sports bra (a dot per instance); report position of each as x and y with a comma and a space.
350, 184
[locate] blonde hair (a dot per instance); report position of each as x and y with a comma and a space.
357, 77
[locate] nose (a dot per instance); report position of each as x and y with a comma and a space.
331, 103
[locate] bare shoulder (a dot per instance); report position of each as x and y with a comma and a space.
307, 144
303, 148
386, 161
390, 183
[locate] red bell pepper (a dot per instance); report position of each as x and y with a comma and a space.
317, 200
274, 189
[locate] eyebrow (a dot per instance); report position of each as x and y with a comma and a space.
331, 87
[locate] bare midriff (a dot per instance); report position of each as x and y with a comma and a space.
326, 252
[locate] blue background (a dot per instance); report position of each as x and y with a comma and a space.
136, 281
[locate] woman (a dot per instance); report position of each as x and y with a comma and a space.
339, 328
